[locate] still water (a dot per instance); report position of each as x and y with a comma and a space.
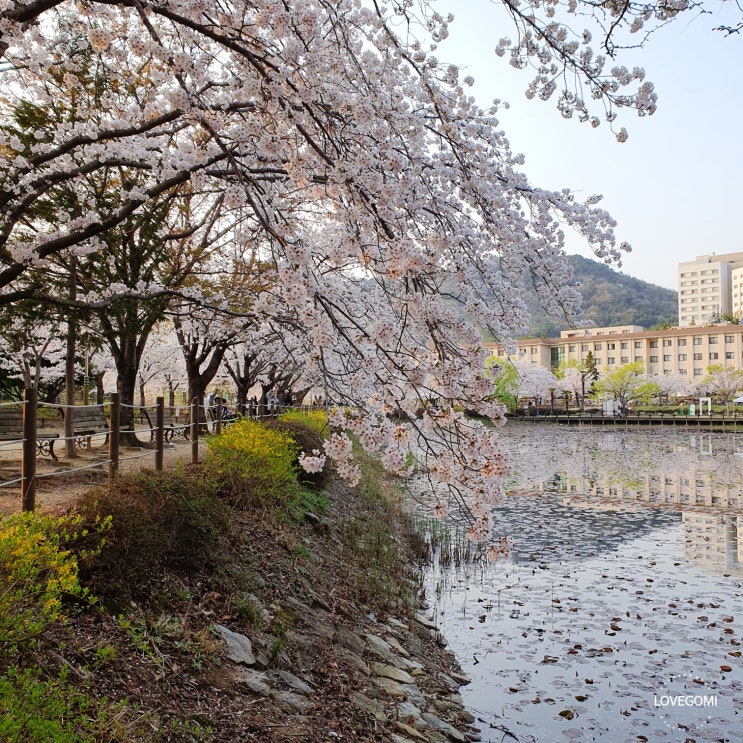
618, 615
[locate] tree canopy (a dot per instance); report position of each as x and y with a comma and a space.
328, 140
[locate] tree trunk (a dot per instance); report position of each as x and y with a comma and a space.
99, 394
126, 384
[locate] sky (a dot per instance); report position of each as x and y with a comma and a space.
675, 187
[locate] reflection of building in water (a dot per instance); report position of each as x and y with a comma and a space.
711, 536
713, 540
692, 487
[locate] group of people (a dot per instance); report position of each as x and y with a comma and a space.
219, 409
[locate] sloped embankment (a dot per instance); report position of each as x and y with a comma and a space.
224, 617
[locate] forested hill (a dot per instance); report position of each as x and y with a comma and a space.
610, 298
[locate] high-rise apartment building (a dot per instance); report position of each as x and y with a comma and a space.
706, 288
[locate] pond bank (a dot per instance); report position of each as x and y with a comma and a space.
219, 623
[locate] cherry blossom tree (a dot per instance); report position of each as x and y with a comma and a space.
353, 158
722, 382
33, 349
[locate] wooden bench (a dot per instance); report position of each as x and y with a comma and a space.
87, 421
11, 429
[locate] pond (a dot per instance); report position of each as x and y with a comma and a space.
618, 615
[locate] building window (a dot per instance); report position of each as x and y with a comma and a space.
667, 342
697, 357
666, 357
533, 350
625, 359
610, 360
653, 359
729, 355
729, 339
682, 357
682, 372
596, 346
681, 342
571, 349
598, 362
714, 356
638, 358
697, 341
584, 347
697, 372
611, 346
638, 344
653, 344
625, 345
713, 339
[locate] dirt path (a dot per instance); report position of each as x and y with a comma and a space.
58, 487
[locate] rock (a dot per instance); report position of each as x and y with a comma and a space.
409, 713
444, 727
373, 706
415, 695
392, 672
353, 660
400, 739
391, 687
381, 649
448, 681
395, 645
377, 646
409, 731
393, 622
296, 683
297, 702
425, 620
349, 640
254, 681
453, 706
461, 678
239, 647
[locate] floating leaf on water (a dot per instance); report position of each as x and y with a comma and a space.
734, 653
727, 619
568, 714
581, 697
726, 669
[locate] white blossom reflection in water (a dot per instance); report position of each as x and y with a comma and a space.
619, 614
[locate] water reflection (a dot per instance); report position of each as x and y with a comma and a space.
623, 594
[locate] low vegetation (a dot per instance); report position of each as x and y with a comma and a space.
107, 613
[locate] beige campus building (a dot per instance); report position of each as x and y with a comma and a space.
686, 350
709, 287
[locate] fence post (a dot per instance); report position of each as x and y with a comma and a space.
195, 423
218, 421
113, 439
28, 457
159, 433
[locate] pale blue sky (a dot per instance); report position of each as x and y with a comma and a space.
675, 186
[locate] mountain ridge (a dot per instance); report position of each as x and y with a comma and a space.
610, 297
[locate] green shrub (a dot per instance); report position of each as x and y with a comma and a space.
306, 438
161, 522
317, 419
36, 571
37, 711
256, 464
